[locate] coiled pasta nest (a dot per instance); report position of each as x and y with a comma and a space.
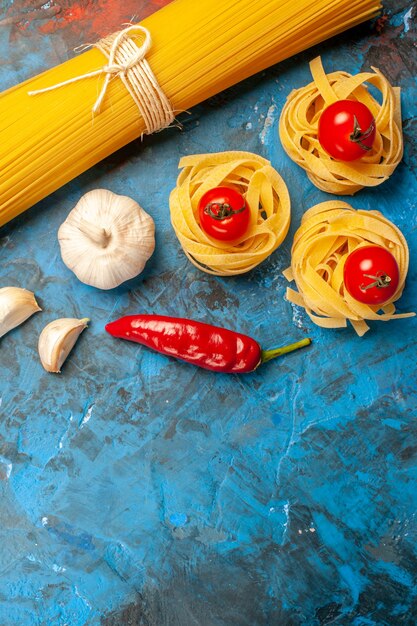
298, 129
266, 195
329, 232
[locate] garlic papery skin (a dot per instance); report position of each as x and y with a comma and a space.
16, 306
106, 239
57, 340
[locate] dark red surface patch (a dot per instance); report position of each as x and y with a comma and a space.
94, 18
100, 17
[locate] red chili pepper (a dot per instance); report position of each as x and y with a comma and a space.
210, 347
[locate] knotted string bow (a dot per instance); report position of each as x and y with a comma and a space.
128, 61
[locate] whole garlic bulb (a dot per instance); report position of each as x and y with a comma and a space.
106, 239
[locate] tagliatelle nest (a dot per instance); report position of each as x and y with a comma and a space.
266, 195
329, 232
299, 125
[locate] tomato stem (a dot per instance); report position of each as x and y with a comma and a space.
357, 135
268, 355
223, 210
379, 281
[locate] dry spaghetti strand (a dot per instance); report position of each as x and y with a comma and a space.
266, 195
329, 232
198, 49
299, 122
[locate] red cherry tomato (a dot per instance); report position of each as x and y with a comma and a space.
346, 130
371, 275
224, 213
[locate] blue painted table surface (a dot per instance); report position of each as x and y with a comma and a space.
139, 490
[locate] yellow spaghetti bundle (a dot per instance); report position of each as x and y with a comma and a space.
196, 49
329, 232
299, 123
266, 195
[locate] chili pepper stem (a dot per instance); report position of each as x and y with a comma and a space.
268, 355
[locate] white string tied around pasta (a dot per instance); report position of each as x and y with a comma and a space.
128, 61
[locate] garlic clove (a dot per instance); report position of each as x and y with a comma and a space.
16, 306
106, 239
57, 340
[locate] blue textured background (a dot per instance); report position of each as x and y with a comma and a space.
139, 490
